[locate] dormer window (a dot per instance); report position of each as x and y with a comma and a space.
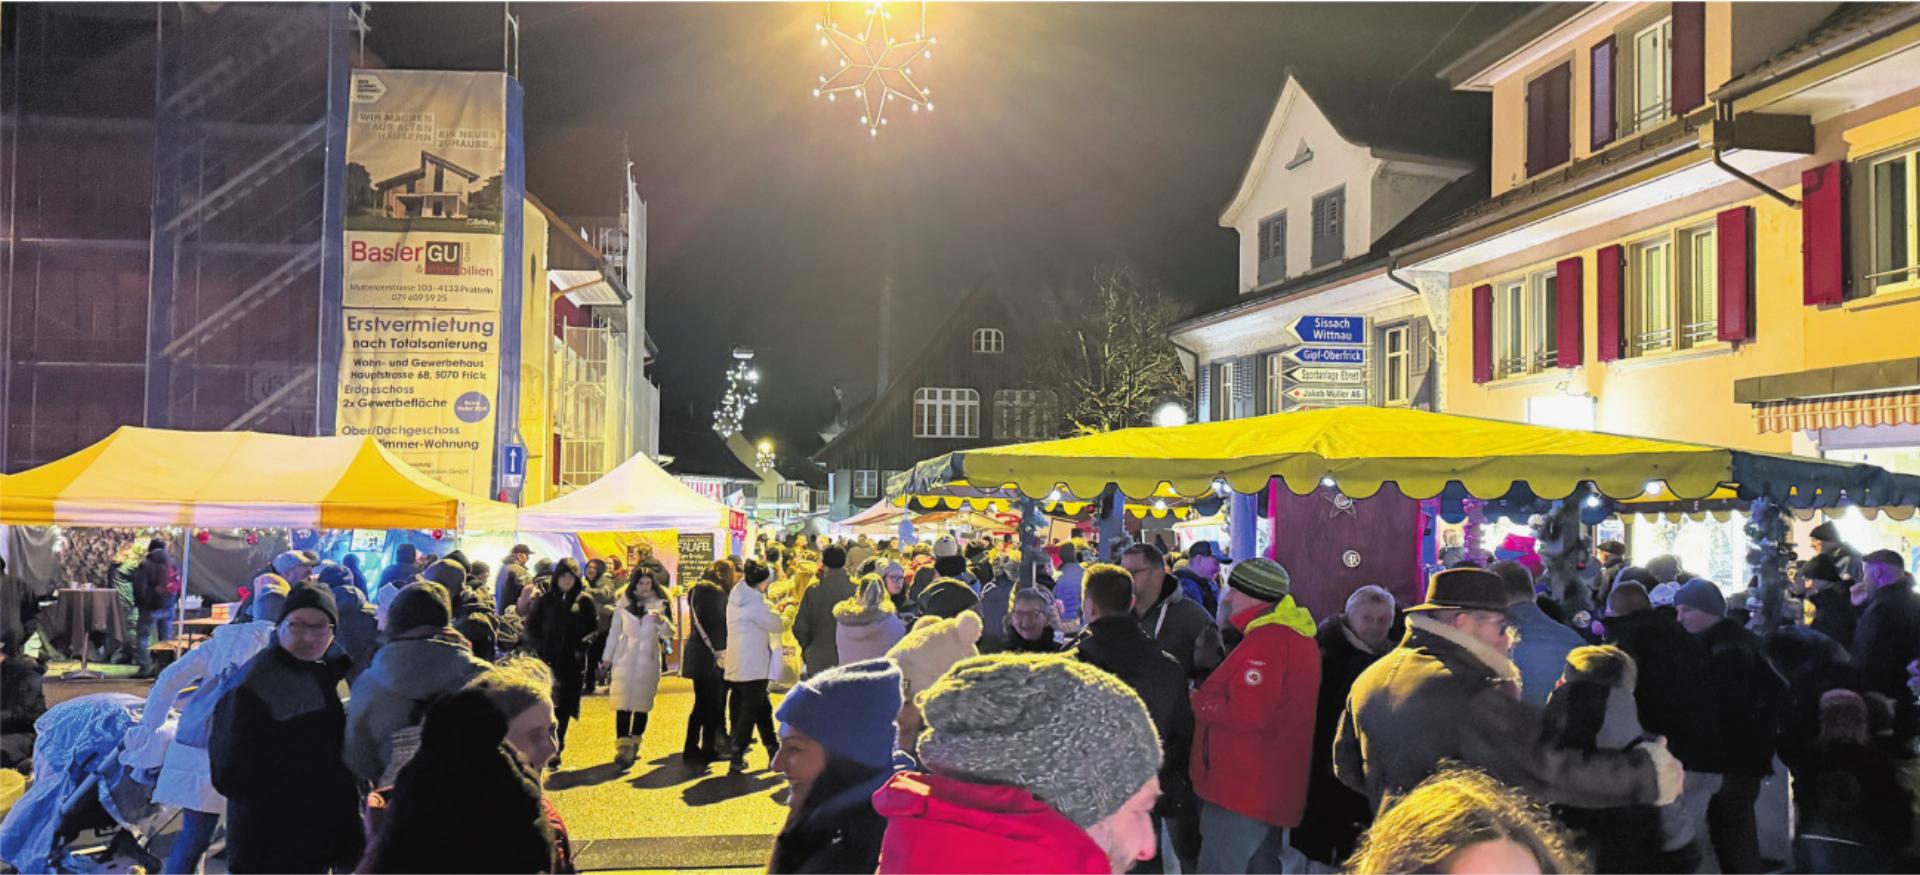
989, 341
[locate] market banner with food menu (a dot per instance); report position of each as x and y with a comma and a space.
424, 268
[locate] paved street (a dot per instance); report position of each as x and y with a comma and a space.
660, 814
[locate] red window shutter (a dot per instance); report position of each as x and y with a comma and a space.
1823, 244
1733, 235
1608, 270
1568, 333
1600, 107
1483, 334
1688, 72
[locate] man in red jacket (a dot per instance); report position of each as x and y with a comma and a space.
1253, 725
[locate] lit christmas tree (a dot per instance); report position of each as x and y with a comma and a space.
743, 381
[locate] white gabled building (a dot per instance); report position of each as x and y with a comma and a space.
1319, 206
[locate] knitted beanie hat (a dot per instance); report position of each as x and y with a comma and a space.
1261, 578
850, 710
1074, 736
420, 603
447, 573
306, 594
1702, 595
933, 646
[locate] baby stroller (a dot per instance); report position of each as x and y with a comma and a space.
84, 812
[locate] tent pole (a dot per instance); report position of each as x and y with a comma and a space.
186, 585
1241, 520
1112, 524
1032, 543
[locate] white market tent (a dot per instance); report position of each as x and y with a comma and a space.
638, 496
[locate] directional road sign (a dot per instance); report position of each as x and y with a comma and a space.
1331, 329
1327, 355
1336, 375
1328, 394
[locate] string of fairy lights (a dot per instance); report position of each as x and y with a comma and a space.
875, 62
742, 392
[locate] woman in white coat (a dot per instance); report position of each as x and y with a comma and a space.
641, 624
752, 658
185, 780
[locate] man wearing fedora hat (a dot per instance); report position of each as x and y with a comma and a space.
1451, 692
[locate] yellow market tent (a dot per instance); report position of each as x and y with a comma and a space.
160, 477
1423, 454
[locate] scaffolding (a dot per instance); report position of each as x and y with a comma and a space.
580, 416
169, 219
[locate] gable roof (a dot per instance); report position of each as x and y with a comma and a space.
1435, 212
698, 452
982, 295
1392, 132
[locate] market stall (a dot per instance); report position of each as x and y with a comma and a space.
1316, 472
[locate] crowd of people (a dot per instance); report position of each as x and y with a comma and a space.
956, 706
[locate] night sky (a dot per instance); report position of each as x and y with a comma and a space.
1065, 138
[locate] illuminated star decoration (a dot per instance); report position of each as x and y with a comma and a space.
875, 66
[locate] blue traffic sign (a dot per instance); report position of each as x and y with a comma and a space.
1331, 329
1327, 355
516, 461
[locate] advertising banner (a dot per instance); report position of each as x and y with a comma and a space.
424, 268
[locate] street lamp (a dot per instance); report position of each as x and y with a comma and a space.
1170, 415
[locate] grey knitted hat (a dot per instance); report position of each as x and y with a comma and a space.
1074, 736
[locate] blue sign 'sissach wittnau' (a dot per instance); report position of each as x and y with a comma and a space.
1331, 329
1327, 355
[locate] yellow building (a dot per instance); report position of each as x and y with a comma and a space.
1702, 226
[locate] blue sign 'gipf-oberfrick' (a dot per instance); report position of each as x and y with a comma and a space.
1331, 329
1327, 355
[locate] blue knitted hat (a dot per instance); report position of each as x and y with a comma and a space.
850, 710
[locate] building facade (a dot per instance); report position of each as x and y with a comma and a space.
969, 386
170, 238
1701, 226
1318, 207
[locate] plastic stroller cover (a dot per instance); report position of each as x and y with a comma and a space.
79, 738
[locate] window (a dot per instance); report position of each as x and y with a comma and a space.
1892, 201
1220, 400
1328, 222
989, 341
1526, 319
866, 484
1272, 387
1024, 414
1652, 75
1543, 310
1273, 248
1548, 131
1397, 361
1673, 291
946, 413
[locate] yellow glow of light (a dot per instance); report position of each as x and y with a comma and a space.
874, 63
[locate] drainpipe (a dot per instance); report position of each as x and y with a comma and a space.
1723, 115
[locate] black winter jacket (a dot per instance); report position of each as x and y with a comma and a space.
1335, 815
1833, 614
1886, 639
292, 806
814, 627
708, 604
1185, 630
150, 583
1748, 698
1117, 646
1673, 691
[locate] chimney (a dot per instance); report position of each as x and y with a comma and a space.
885, 345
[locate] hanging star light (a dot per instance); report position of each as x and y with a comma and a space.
742, 392
875, 64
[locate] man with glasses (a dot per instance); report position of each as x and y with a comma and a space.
1184, 629
1450, 691
276, 737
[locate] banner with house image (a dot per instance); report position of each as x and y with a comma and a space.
423, 274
